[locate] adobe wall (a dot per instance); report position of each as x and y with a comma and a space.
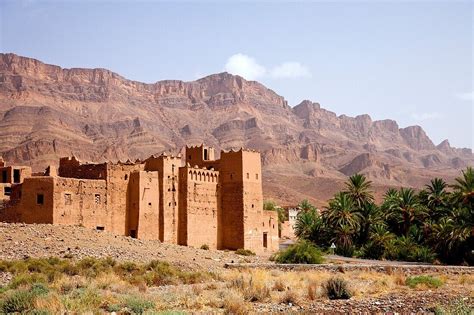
232, 201
199, 207
80, 202
118, 178
71, 167
143, 214
27, 209
168, 168
6, 174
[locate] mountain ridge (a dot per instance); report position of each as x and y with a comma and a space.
96, 114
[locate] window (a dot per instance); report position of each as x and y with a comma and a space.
39, 199
97, 199
205, 154
256, 176
189, 157
248, 176
149, 204
7, 191
67, 199
16, 176
4, 176
231, 176
100, 228
126, 177
265, 239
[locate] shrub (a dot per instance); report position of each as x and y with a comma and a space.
138, 305
279, 286
288, 297
205, 247
18, 302
256, 293
302, 252
429, 281
234, 304
336, 289
38, 289
244, 252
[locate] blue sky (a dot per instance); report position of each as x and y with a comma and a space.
408, 61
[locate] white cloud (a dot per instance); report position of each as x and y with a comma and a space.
250, 69
469, 96
244, 66
425, 116
290, 70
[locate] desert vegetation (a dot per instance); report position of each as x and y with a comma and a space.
433, 224
52, 285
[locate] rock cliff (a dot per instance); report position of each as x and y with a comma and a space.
307, 151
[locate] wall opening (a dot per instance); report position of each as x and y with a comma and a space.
97, 199
7, 191
67, 199
265, 239
133, 233
16, 176
205, 154
100, 228
39, 199
4, 176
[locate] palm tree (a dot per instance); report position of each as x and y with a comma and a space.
370, 216
310, 226
305, 205
342, 212
435, 198
464, 187
343, 238
405, 209
358, 188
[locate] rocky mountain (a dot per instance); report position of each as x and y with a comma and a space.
307, 151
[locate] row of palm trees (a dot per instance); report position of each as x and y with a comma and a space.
435, 223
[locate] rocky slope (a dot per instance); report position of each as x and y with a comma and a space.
47, 112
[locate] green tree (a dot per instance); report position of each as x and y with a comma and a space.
405, 209
464, 187
305, 205
342, 212
359, 189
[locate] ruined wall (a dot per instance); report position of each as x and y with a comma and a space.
143, 215
199, 207
14, 174
80, 202
118, 178
71, 167
168, 168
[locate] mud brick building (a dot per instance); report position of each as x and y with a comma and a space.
195, 201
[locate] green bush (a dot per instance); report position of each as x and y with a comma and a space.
18, 302
302, 252
429, 281
205, 247
244, 252
337, 289
138, 305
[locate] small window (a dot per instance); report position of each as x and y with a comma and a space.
149, 204
169, 204
16, 176
126, 177
231, 176
67, 199
256, 176
4, 176
248, 176
97, 199
100, 228
189, 157
39, 199
7, 191
253, 206
273, 226
265, 240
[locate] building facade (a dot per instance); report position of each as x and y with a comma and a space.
195, 201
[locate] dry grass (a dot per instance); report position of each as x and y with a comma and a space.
234, 291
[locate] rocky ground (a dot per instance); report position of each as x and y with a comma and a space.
18, 241
381, 290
